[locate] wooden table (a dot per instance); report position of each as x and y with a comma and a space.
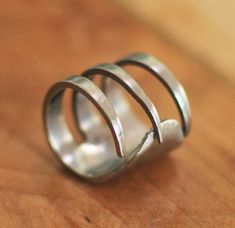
44, 41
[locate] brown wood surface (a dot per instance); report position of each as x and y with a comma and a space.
43, 41
205, 28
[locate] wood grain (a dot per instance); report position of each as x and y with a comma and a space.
43, 41
204, 28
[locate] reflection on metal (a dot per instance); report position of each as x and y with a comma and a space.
116, 139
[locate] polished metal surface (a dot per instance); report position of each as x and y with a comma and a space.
116, 139
160, 71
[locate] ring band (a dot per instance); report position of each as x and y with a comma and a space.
105, 151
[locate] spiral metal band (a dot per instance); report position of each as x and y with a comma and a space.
105, 151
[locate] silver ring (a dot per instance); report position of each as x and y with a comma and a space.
116, 139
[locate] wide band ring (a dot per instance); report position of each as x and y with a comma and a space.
105, 151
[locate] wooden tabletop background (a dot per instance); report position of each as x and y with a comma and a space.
44, 41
